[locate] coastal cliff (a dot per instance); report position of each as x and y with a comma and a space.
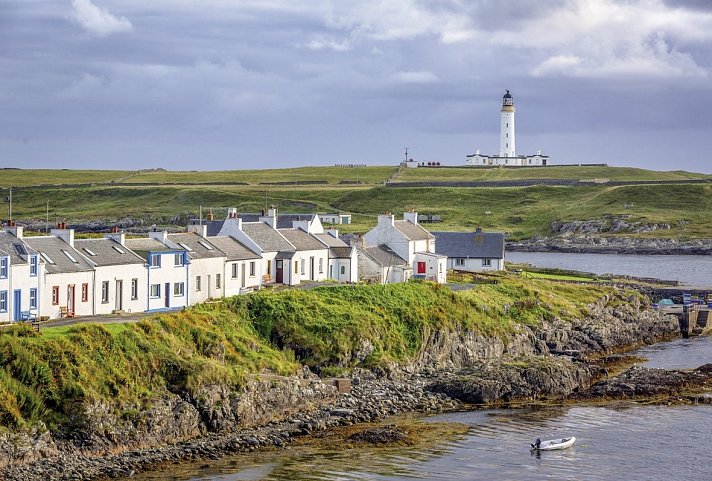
200, 378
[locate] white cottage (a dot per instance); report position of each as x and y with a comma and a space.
310, 259
343, 259
68, 282
206, 266
472, 251
119, 274
242, 266
166, 271
410, 241
20, 274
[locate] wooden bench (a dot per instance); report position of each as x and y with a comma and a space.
31, 317
65, 312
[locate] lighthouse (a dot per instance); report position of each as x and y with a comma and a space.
506, 136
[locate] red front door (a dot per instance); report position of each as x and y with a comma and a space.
421, 267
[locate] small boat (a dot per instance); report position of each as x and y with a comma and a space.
553, 444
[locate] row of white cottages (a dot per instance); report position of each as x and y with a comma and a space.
57, 276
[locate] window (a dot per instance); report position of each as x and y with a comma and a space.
185, 246
198, 287
459, 261
33, 265
70, 257
119, 249
155, 290
3, 268
104, 292
321, 265
303, 266
134, 289
343, 270
85, 292
178, 288
269, 267
55, 295
155, 260
206, 245
296, 267
486, 262
178, 260
47, 258
90, 252
218, 281
440, 267
3, 301
252, 269
33, 298
234, 270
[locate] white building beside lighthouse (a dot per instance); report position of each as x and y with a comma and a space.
507, 143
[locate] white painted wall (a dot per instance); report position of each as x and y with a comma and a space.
63, 281
304, 271
124, 273
19, 278
235, 285
474, 264
208, 270
167, 273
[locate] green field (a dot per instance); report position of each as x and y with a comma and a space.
522, 212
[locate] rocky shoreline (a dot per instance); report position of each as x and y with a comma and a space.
534, 363
599, 244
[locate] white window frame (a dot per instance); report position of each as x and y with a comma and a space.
198, 284
218, 281
459, 261
105, 292
33, 265
486, 262
157, 293
252, 269
234, 270
134, 289
321, 265
178, 260
178, 289
3, 301
4, 267
155, 261
33, 298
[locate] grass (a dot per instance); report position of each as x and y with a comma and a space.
521, 212
555, 277
48, 376
552, 172
27, 177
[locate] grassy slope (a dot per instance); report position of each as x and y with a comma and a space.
522, 211
25, 177
554, 172
42, 377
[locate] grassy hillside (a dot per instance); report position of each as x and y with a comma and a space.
552, 172
25, 177
45, 376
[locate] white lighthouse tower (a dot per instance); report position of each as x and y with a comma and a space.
506, 138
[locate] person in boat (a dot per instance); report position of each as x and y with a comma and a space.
537, 443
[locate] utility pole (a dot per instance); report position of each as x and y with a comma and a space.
47, 219
9, 207
406, 154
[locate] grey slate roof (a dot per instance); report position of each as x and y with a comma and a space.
233, 249
145, 245
107, 252
196, 245
301, 240
385, 256
330, 240
339, 252
8, 243
266, 237
412, 231
471, 244
284, 221
54, 248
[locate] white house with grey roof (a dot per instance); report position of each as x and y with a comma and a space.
119, 274
411, 242
381, 265
343, 259
166, 271
241, 268
310, 259
68, 282
21, 272
206, 266
472, 251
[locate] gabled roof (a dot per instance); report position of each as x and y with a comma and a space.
197, 247
16, 249
266, 237
56, 254
233, 249
385, 256
413, 232
471, 244
330, 240
301, 240
106, 252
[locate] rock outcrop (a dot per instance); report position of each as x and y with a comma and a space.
601, 244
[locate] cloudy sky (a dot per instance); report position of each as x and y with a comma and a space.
235, 84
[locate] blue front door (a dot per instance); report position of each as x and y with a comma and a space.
17, 305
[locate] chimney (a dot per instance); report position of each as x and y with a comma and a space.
201, 230
411, 217
211, 216
231, 212
333, 232
161, 237
386, 219
67, 235
271, 218
13, 229
116, 236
